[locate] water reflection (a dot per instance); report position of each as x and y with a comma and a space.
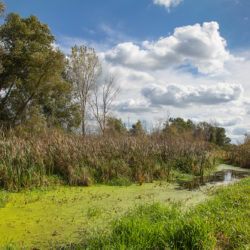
218, 178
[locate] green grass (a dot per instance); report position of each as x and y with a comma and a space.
222, 222
4, 196
121, 181
52, 216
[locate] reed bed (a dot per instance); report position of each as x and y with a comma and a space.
54, 156
240, 155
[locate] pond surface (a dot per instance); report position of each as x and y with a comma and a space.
224, 175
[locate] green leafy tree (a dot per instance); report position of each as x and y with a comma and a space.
30, 65
212, 134
32, 74
179, 125
115, 127
58, 107
137, 129
220, 136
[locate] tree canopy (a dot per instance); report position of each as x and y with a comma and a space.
32, 74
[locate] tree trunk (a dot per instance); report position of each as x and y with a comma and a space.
83, 127
83, 120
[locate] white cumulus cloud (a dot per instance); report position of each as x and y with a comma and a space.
183, 96
167, 3
199, 46
156, 81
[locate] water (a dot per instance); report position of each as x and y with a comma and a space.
221, 177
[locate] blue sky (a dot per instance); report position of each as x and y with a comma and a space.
140, 20
188, 58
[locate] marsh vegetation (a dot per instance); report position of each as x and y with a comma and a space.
74, 176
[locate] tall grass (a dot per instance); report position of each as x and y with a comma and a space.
220, 223
31, 160
240, 155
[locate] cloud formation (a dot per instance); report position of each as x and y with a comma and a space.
133, 106
174, 95
157, 77
240, 131
199, 46
167, 3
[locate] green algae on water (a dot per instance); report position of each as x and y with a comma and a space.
63, 215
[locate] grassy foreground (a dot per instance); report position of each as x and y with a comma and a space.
222, 222
104, 217
56, 216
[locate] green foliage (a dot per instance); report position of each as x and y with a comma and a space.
115, 127
185, 164
213, 134
120, 181
93, 212
4, 195
203, 130
181, 125
58, 107
137, 129
222, 223
32, 75
240, 154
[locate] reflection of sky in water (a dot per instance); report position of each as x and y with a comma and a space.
228, 176
222, 177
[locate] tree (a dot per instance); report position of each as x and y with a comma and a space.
30, 66
212, 134
137, 129
83, 71
115, 127
220, 136
32, 75
202, 130
58, 107
101, 101
178, 125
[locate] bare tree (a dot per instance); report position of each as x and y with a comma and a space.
84, 70
102, 100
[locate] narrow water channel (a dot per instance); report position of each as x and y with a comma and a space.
224, 175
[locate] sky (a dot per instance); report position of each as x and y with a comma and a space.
178, 58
